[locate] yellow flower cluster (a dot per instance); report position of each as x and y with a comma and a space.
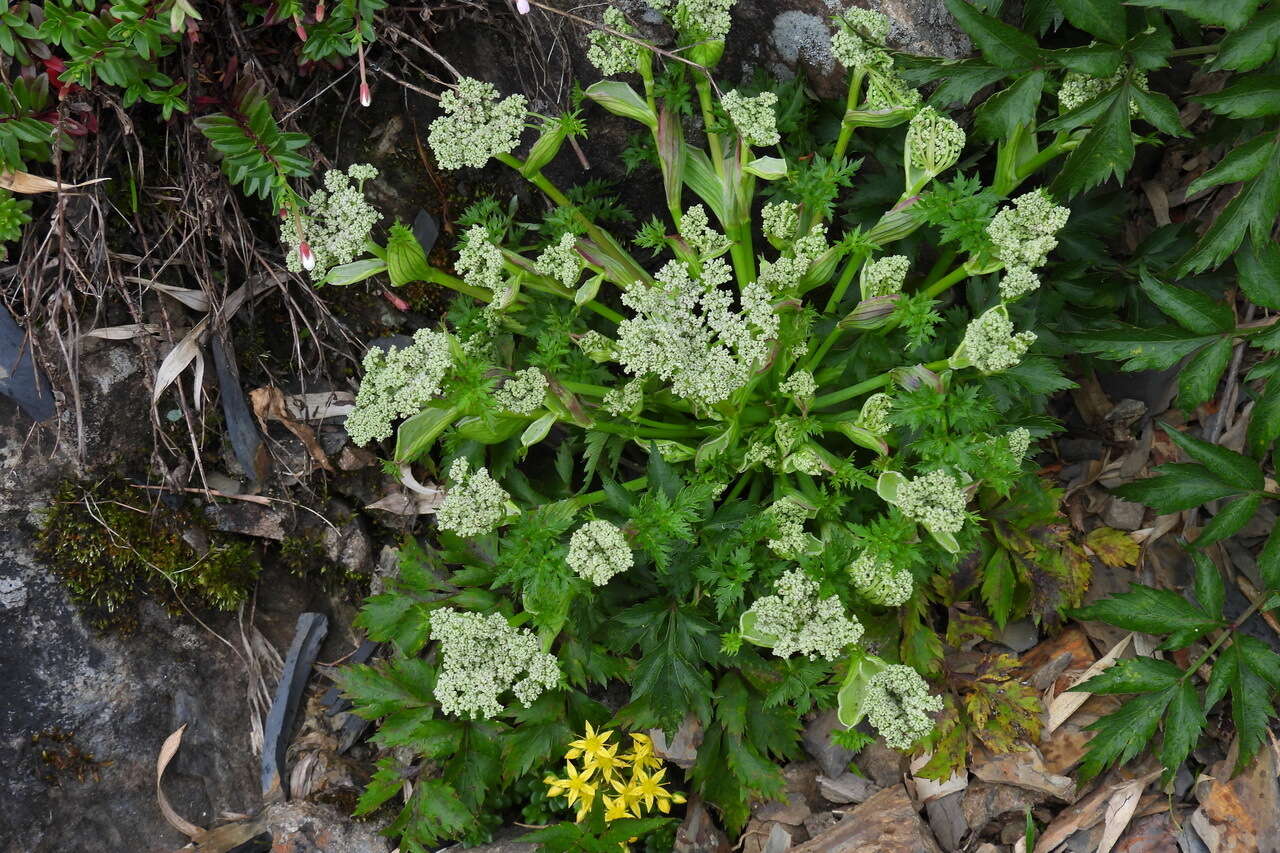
629, 783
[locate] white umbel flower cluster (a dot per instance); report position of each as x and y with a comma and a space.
884, 277
686, 332
483, 657
936, 500
698, 20
479, 261
781, 219
799, 386
476, 125
625, 399
561, 261
788, 517
755, 119
1018, 282
874, 416
934, 142
398, 383
522, 393
598, 550
898, 703
879, 582
991, 344
1079, 89
803, 623
695, 228
1019, 442
785, 273
337, 222
475, 504
859, 38
609, 53
1025, 234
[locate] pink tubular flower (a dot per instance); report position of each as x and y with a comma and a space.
307, 256
522, 6
365, 98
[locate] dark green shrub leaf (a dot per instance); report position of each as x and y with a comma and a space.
1190, 309
1234, 468
1199, 378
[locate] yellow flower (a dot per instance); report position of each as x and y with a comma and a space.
555, 787
591, 744
576, 785
607, 760
642, 755
648, 788
615, 808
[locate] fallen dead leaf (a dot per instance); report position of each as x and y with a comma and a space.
1114, 547
1066, 703
405, 504
167, 751
1121, 807
28, 184
269, 405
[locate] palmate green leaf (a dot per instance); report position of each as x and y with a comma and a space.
1104, 19
1259, 268
1000, 43
1190, 309
389, 687
1253, 211
1251, 46
1183, 723
958, 81
998, 116
1199, 379
415, 728
434, 813
1234, 468
1123, 734
1151, 611
1096, 60
1233, 516
1269, 560
1107, 150
1133, 675
1231, 14
1157, 109
1141, 349
1243, 162
387, 781
1151, 47
1247, 664
393, 617
1253, 96
1177, 487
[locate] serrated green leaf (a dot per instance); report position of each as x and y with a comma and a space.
1104, 19
387, 781
1000, 43
1150, 611
1183, 722
1269, 560
1229, 466
1190, 309
1105, 151
1141, 349
998, 584
1123, 734
1251, 705
1210, 591
1253, 211
1259, 268
1133, 675
999, 115
1264, 425
1199, 379
1096, 60
1231, 14
1233, 516
1243, 162
1252, 96
1159, 111
1259, 657
1252, 46
1177, 487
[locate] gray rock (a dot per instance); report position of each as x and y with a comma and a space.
1123, 515
779, 840
846, 788
831, 757
882, 764
946, 819
886, 823
1020, 635
698, 832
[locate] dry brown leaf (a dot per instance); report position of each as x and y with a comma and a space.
320, 405
1120, 810
188, 349
1113, 547
125, 332
167, 752
268, 404
1068, 702
196, 300
29, 184
402, 503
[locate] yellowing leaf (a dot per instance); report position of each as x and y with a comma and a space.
1113, 547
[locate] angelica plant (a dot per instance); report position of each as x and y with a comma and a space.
700, 476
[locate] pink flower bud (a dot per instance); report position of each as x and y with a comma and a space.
365, 98
320, 11
522, 6
307, 256
399, 303
297, 27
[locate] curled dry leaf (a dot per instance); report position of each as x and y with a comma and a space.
1068, 702
28, 184
167, 751
125, 332
409, 504
269, 404
1121, 808
320, 405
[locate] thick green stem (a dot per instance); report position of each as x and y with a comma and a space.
863, 387
846, 278
851, 104
1235, 626
703, 85
452, 282
597, 496
946, 282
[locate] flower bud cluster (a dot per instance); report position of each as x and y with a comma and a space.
788, 518
1018, 282
754, 117
475, 504
859, 38
783, 274
482, 657
1025, 234
802, 623
609, 53
698, 20
336, 225
625, 399
522, 393
1079, 89
561, 261
598, 550
398, 383
476, 125
934, 142
879, 582
781, 219
1019, 442
991, 344
799, 386
479, 261
936, 500
898, 703
884, 277
696, 230
874, 416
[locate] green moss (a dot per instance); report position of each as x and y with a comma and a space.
304, 556
113, 551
